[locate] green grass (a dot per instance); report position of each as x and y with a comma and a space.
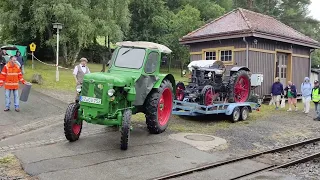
67, 82
7, 160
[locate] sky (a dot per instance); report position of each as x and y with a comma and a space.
315, 9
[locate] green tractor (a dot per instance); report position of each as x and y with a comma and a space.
132, 84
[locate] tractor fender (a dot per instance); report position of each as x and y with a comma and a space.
232, 106
166, 76
238, 68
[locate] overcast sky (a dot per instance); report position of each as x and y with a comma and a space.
315, 9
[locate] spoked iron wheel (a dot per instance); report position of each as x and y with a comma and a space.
207, 95
239, 87
180, 91
72, 128
159, 107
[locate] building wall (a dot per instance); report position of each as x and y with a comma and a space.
262, 56
299, 71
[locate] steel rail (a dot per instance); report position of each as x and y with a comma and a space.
221, 163
288, 164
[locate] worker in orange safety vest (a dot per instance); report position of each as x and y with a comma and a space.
10, 77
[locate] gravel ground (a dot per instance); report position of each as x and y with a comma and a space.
10, 169
306, 171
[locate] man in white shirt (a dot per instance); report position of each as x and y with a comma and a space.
81, 70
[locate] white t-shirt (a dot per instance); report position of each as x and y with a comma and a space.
84, 69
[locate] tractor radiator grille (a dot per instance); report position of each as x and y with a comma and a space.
85, 89
97, 91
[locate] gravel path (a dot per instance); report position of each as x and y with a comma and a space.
306, 171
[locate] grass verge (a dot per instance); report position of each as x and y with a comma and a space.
10, 168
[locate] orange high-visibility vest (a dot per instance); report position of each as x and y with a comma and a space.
10, 76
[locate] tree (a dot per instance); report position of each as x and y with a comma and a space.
83, 21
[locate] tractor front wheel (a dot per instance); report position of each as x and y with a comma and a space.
207, 95
180, 91
239, 87
72, 128
125, 129
158, 106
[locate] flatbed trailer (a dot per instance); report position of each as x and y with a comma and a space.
236, 111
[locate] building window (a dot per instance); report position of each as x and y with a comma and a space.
211, 55
226, 55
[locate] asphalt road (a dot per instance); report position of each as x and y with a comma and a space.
35, 135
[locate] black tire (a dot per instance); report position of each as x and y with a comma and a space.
235, 116
203, 98
125, 129
154, 124
232, 83
244, 113
180, 86
72, 130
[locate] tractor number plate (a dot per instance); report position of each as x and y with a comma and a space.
90, 100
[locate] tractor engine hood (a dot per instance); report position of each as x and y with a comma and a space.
116, 79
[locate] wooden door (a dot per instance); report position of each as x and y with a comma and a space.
282, 67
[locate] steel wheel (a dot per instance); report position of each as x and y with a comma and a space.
207, 95
239, 87
180, 91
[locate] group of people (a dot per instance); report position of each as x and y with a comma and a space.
5, 58
309, 93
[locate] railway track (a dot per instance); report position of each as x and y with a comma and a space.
251, 156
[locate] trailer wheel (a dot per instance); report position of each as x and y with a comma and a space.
235, 116
244, 113
206, 97
239, 87
72, 129
159, 105
180, 91
125, 129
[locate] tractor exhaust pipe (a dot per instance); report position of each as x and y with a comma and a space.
247, 52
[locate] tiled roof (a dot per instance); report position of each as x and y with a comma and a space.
244, 21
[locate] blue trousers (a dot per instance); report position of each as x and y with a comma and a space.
15, 96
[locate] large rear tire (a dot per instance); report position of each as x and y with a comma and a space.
239, 87
125, 129
72, 129
158, 106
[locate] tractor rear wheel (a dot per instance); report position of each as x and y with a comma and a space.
239, 87
125, 129
180, 91
207, 94
72, 129
158, 106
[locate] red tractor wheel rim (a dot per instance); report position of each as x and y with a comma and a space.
208, 97
241, 89
164, 107
179, 92
76, 127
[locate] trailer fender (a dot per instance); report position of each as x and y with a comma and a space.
232, 106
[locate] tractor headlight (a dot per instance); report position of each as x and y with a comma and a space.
209, 74
111, 92
78, 89
184, 72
